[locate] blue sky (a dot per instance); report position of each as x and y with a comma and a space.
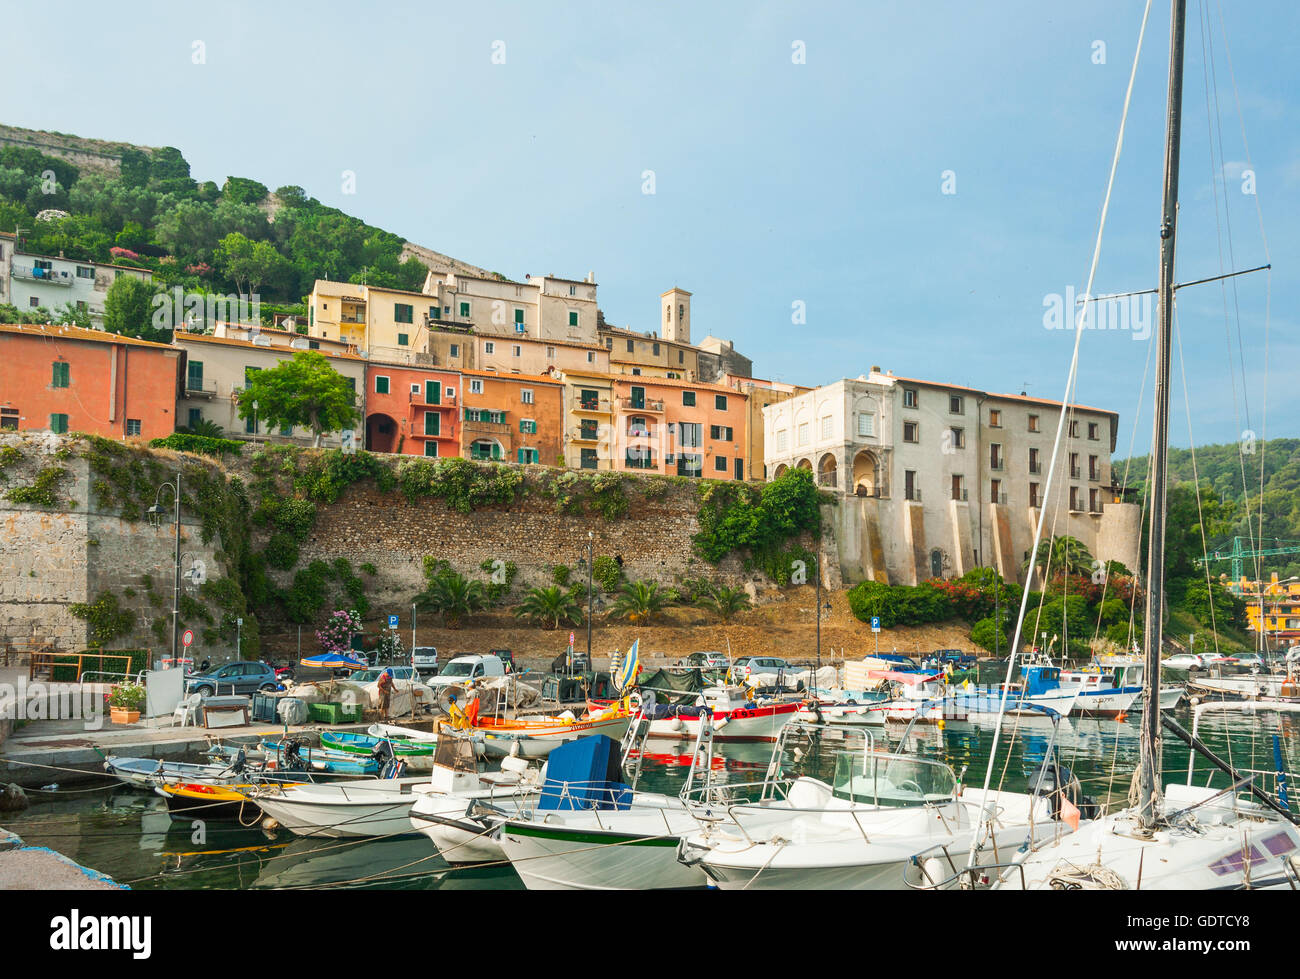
775, 182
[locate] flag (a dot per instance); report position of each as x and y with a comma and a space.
628, 669
1070, 814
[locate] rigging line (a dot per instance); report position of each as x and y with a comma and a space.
1177, 285
1081, 323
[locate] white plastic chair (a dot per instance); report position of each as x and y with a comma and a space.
187, 711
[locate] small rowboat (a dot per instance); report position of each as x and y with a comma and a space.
417, 755
194, 800
735, 717
535, 737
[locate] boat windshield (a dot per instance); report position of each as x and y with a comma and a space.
892, 780
456, 754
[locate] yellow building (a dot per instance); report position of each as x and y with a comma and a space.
588, 419
1281, 608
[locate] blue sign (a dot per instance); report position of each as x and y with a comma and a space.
875, 623
392, 622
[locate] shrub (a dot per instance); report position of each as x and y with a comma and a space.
607, 572
983, 633
199, 444
106, 619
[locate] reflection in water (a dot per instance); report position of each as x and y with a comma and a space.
129, 835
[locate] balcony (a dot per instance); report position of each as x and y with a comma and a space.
998, 465
1000, 499
1035, 468
629, 404
197, 388
417, 398
49, 277
584, 435
598, 407
448, 326
485, 428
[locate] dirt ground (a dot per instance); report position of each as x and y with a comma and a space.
785, 627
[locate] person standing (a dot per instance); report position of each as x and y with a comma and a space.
385, 684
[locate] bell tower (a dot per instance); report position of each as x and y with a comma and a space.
675, 318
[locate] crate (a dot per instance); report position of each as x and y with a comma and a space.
264, 708
335, 713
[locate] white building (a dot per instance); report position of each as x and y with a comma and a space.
541, 308
40, 280
936, 479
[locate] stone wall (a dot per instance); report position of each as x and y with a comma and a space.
88, 154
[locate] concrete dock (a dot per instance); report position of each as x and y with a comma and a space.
27, 868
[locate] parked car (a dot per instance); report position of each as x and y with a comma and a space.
506, 657
233, 678
463, 669
426, 660
372, 674
709, 661
766, 671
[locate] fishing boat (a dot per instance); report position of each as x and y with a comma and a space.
147, 773
1041, 688
534, 736
444, 806
375, 807
1188, 836
920, 698
324, 760
197, 800
418, 755
394, 732
733, 714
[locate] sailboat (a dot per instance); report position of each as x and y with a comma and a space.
1186, 837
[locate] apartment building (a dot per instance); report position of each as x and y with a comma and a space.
939, 478
215, 370
8, 243
545, 307
588, 419
68, 379
412, 410
54, 282
513, 418
678, 428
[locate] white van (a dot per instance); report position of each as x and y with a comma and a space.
463, 669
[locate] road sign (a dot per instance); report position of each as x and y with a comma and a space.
187, 638
875, 623
392, 622
570, 638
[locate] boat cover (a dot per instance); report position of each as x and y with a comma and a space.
660, 712
585, 774
671, 688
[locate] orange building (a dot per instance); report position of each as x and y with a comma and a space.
412, 410
513, 418
66, 379
678, 427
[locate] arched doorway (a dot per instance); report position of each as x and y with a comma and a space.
865, 469
485, 449
381, 434
781, 470
828, 471
804, 464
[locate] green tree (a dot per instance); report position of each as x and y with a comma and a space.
551, 606
454, 595
724, 601
640, 602
1064, 553
129, 309
305, 391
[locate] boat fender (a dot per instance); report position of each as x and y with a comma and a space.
514, 749
675, 724
270, 824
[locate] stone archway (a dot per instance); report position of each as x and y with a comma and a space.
381, 433
804, 464
828, 471
866, 470
781, 470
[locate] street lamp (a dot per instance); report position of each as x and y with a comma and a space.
254, 422
817, 562
591, 538
156, 513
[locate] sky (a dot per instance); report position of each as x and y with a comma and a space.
841, 186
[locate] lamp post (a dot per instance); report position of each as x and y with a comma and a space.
156, 513
590, 594
254, 422
817, 562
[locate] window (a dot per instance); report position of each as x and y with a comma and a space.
681, 356
489, 347
432, 423
58, 424
720, 402
573, 290
995, 418
34, 302
1074, 498
433, 392
636, 371
434, 312
62, 374
827, 427
403, 313
911, 432
1033, 495
1074, 429
526, 395
464, 310
591, 357
782, 441
995, 456
1092, 431
85, 272
573, 317
455, 350
639, 457
1035, 466
958, 487
690, 435
995, 491
1094, 469
519, 321
688, 399
450, 393
485, 449
518, 350
286, 430
720, 433
655, 351
431, 448
196, 416
1033, 423
248, 375
910, 491
403, 340
956, 404
1074, 465
589, 400
528, 426
720, 464
527, 456
475, 386
690, 465
550, 353
636, 426
1092, 500
133, 426
587, 429
381, 384
866, 425
588, 459
802, 433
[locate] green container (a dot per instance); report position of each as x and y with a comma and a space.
326, 713
350, 715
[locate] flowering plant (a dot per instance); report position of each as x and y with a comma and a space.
336, 635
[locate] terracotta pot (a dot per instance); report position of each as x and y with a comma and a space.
120, 715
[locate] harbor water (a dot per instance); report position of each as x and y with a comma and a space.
128, 834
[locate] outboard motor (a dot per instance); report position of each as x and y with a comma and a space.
292, 761
1053, 781
240, 762
389, 766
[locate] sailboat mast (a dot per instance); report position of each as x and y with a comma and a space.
1152, 633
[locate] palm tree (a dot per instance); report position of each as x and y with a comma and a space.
550, 606
639, 602
725, 601
1065, 553
455, 596
207, 428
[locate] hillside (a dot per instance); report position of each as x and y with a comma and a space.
140, 206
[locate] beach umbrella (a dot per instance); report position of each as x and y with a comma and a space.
333, 661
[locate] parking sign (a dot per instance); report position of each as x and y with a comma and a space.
875, 623
392, 622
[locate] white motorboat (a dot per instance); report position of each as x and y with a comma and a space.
920, 698
444, 805
377, 807
733, 715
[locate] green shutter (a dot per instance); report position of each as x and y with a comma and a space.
464, 309
381, 385
195, 369
519, 315
433, 392
496, 450
402, 339
431, 423
61, 374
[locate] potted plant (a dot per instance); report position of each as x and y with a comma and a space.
124, 703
